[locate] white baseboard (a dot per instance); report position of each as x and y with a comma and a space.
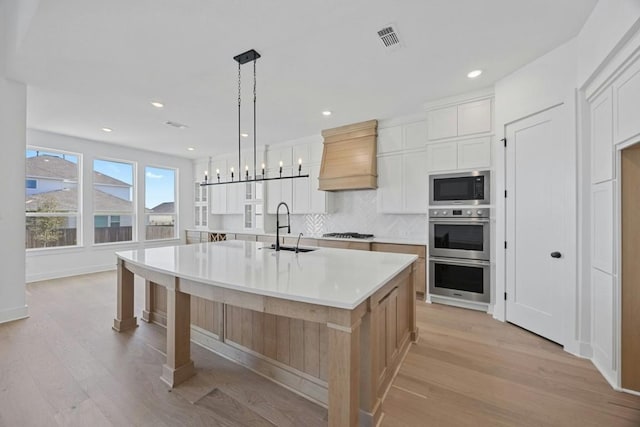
626, 390
16, 313
608, 375
586, 350
50, 275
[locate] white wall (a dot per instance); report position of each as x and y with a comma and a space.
610, 23
13, 116
44, 264
546, 82
13, 122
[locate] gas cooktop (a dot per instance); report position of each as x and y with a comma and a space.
348, 235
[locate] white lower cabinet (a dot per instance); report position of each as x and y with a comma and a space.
472, 153
402, 183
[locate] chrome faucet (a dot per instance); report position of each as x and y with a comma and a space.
278, 227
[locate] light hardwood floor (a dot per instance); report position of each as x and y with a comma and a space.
65, 366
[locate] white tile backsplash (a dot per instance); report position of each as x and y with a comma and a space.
355, 211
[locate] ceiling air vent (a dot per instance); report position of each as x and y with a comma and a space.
176, 124
389, 37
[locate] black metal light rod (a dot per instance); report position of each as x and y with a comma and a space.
202, 184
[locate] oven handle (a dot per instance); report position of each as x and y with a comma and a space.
461, 220
473, 262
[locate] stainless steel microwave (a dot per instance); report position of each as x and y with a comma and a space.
466, 188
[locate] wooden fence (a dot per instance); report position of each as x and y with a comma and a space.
68, 236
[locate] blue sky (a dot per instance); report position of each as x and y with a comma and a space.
159, 186
159, 183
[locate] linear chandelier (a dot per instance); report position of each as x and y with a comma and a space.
243, 58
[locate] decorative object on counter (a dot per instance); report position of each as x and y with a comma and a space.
349, 235
243, 58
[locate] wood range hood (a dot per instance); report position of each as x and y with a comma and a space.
349, 157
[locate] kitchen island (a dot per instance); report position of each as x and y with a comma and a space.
331, 324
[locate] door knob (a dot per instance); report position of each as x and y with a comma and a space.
556, 255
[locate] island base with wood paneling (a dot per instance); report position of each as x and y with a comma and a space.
294, 352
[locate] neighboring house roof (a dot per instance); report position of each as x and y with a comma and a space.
54, 167
67, 200
165, 207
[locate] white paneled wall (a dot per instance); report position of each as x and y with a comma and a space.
603, 325
602, 220
626, 92
602, 138
615, 124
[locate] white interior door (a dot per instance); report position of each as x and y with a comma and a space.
539, 213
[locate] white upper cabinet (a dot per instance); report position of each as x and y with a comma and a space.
389, 192
235, 197
390, 139
218, 193
443, 123
415, 135
279, 190
301, 194
410, 136
402, 183
415, 182
277, 154
474, 117
442, 156
309, 153
464, 119
307, 199
472, 153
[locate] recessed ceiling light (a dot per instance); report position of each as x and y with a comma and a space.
244, 135
326, 113
107, 130
157, 104
190, 148
473, 74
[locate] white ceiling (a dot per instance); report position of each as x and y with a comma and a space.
94, 64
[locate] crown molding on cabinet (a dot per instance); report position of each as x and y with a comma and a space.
459, 99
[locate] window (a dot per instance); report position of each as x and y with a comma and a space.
113, 207
160, 203
52, 192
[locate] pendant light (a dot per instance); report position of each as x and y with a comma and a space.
243, 58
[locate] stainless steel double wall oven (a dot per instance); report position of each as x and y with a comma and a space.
459, 236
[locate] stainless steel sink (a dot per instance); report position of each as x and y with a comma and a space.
293, 248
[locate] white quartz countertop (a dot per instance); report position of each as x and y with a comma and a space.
377, 239
339, 278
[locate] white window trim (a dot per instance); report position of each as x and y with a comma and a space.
78, 214
134, 201
176, 193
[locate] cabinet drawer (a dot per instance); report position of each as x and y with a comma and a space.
419, 250
340, 244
